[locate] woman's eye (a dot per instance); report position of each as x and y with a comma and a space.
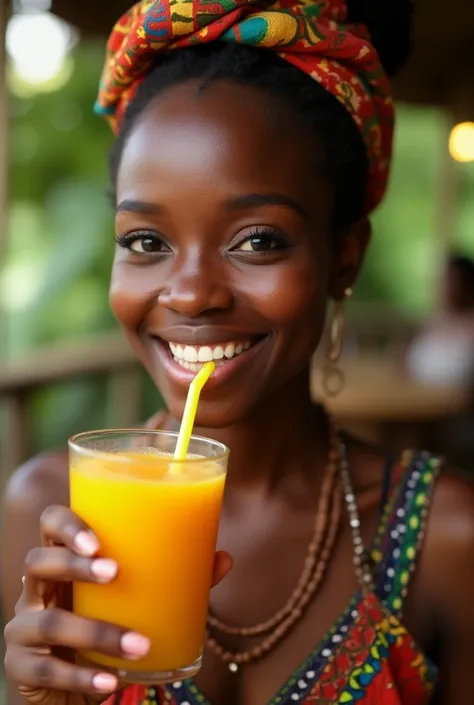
146, 244
261, 242
143, 244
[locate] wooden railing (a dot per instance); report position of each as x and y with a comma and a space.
20, 381
109, 355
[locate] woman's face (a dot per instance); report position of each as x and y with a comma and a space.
224, 247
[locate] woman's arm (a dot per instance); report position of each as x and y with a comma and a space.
39, 483
445, 581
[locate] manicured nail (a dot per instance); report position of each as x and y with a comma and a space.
104, 569
86, 543
105, 682
135, 644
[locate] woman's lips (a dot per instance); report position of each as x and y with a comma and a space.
181, 362
192, 357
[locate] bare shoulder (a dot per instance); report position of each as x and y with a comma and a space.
38, 483
451, 517
442, 615
446, 569
42, 476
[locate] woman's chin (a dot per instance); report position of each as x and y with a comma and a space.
211, 414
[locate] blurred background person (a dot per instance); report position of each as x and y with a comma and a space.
442, 353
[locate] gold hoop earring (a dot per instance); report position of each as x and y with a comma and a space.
333, 378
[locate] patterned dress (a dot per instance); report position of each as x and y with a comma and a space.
367, 657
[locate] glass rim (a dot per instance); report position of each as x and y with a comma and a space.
74, 444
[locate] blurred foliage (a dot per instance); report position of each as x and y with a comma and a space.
403, 264
54, 283
55, 273
60, 240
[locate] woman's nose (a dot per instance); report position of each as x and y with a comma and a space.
195, 289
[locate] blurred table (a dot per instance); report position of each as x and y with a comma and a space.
382, 405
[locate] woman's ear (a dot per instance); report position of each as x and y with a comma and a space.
352, 244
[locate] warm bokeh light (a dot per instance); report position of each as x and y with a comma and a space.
461, 142
38, 44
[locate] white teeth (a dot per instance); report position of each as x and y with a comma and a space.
190, 354
205, 354
194, 366
192, 357
230, 350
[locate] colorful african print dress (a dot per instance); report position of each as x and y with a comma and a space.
367, 658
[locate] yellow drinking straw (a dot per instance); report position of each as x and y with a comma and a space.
190, 409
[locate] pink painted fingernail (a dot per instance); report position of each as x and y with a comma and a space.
135, 644
86, 543
104, 569
105, 682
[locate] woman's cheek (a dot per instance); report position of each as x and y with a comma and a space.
287, 294
131, 291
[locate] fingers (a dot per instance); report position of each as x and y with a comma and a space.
59, 525
46, 567
53, 564
223, 563
56, 627
44, 671
59, 564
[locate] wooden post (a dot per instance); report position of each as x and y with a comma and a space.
14, 446
124, 398
4, 15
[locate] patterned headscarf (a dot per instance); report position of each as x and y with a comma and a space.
313, 35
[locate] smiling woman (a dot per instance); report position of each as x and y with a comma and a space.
253, 142
229, 266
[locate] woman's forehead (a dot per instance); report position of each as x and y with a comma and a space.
223, 134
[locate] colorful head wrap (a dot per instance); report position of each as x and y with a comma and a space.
310, 34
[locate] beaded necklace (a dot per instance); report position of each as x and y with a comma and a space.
336, 485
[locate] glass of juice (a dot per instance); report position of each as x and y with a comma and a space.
158, 519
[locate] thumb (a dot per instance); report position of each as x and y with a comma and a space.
223, 563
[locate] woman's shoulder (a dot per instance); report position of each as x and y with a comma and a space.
453, 490
45, 476
445, 573
444, 499
450, 523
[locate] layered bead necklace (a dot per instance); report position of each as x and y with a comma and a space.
336, 489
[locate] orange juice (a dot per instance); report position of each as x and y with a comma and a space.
160, 526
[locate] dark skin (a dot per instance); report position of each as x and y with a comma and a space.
220, 265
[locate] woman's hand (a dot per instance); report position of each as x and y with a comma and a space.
44, 635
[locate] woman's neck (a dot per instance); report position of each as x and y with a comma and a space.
284, 440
